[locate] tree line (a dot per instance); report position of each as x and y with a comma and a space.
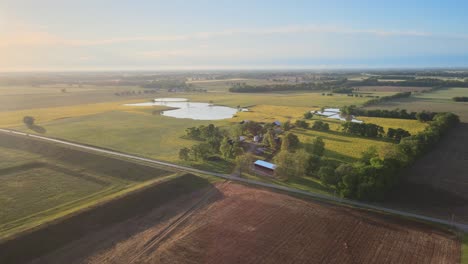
244, 88
423, 82
387, 98
460, 99
422, 116
373, 175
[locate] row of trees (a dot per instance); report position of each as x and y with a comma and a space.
423, 82
363, 129
373, 176
373, 130
422, 116
387, 98
460, 99
130, 93
244, 88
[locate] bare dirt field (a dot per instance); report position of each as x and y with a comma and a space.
232, 223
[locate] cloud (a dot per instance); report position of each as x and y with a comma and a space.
43, 38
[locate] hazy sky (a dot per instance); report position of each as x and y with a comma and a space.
153, 35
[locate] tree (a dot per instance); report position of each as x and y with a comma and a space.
313, 164
236, 131
184, 154
367, 155
290, 142
225, 148
269, 139
308, 115
209, 131
244, 162
253, 127
229, 148
28, 120
200, 151
317, 147
291, 164
424, 116
302, 124
193, 132
286, 126
321, 126
327, 175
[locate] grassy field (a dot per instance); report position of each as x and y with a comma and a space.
339, 146
27, 97
36, 188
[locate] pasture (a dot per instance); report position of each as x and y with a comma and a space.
40, 181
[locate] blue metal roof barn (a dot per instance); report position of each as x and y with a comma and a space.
265, 164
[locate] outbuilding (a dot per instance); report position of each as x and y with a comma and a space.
261, 164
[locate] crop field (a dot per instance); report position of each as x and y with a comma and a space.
232, 223
42, 115
28, 97
40, 181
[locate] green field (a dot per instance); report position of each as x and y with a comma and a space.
35, 188
154, 136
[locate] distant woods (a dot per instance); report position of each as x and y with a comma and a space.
343, 85
460, 99
387, 98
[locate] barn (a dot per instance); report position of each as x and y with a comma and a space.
265, 167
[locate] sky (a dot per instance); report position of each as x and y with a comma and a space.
65, 35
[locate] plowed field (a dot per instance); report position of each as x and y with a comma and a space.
233, 223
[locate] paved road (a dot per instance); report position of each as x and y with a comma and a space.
460, 226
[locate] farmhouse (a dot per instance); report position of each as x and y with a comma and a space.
266, 167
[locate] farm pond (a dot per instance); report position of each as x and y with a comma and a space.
192, 110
